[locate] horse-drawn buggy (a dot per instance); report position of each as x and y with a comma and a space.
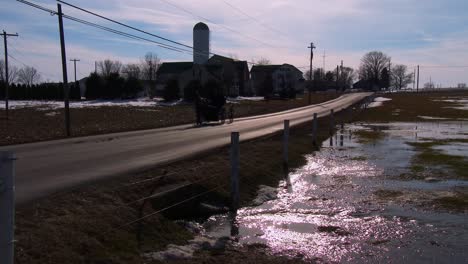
213, 110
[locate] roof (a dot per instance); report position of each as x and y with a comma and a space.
174, 67
264, 68
200, 26
219, 58
271, 68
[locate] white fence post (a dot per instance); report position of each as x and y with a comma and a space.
234, 171
285, 145
7, 207
314, 130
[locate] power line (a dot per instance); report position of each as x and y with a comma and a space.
162, 45
166, 46
124, 25
215, 23
253, 18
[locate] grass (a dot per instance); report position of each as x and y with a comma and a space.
431, 159
457, 202
387, 194
366, 137
413, 105
31, 124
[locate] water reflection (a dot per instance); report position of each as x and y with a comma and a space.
327, 209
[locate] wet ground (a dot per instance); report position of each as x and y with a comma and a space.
374, 193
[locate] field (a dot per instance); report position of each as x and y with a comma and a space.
43, 122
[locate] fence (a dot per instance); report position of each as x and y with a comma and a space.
226, 178
7, 207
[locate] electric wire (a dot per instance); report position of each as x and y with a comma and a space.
215, 23
169, 207
253, 18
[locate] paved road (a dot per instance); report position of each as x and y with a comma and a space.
47, 167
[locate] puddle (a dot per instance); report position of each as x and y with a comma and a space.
456, 149
347, 205
460, 103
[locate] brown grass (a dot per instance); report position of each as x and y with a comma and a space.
30, 125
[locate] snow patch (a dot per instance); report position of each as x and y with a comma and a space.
433, 118
378, 101
176, 252
243, 98
54, 105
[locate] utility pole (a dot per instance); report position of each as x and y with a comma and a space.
95, 67
414, 78
323, 68
337, 76
5, 35
74, 63
312, 47
64, 71
417, 82
341, 76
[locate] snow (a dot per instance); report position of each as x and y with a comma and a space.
433, 118
378, 101
45, 105
243, 98
53, 105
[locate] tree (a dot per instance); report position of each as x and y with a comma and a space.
132, 70
150, 66
372, 65
347, 77
400, 76
429, 85
28, 75
12, 72
385, 78
191, 89
107, 67
263, 61
131, 88
171, 90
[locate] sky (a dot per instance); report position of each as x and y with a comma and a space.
412, 32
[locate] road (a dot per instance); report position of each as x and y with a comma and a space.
47, 167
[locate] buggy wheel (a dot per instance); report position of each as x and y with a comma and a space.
222, 116
231, 114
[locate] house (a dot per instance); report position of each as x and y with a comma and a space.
235, 76
277, 78
186, 72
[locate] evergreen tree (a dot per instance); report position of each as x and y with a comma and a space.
171, 90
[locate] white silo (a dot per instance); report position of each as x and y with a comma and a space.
201, 43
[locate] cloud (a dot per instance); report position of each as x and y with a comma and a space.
429, 34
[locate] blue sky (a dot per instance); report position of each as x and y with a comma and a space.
411, 32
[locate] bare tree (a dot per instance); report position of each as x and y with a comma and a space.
150, 66
107, 67
132, 71
400, 76
28, 75
12, 72
347, 76
372, 65
263, 61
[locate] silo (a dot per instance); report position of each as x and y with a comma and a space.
201, 43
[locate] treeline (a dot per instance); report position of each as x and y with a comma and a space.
43, 91
112, 86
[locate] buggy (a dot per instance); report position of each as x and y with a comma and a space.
213, 110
